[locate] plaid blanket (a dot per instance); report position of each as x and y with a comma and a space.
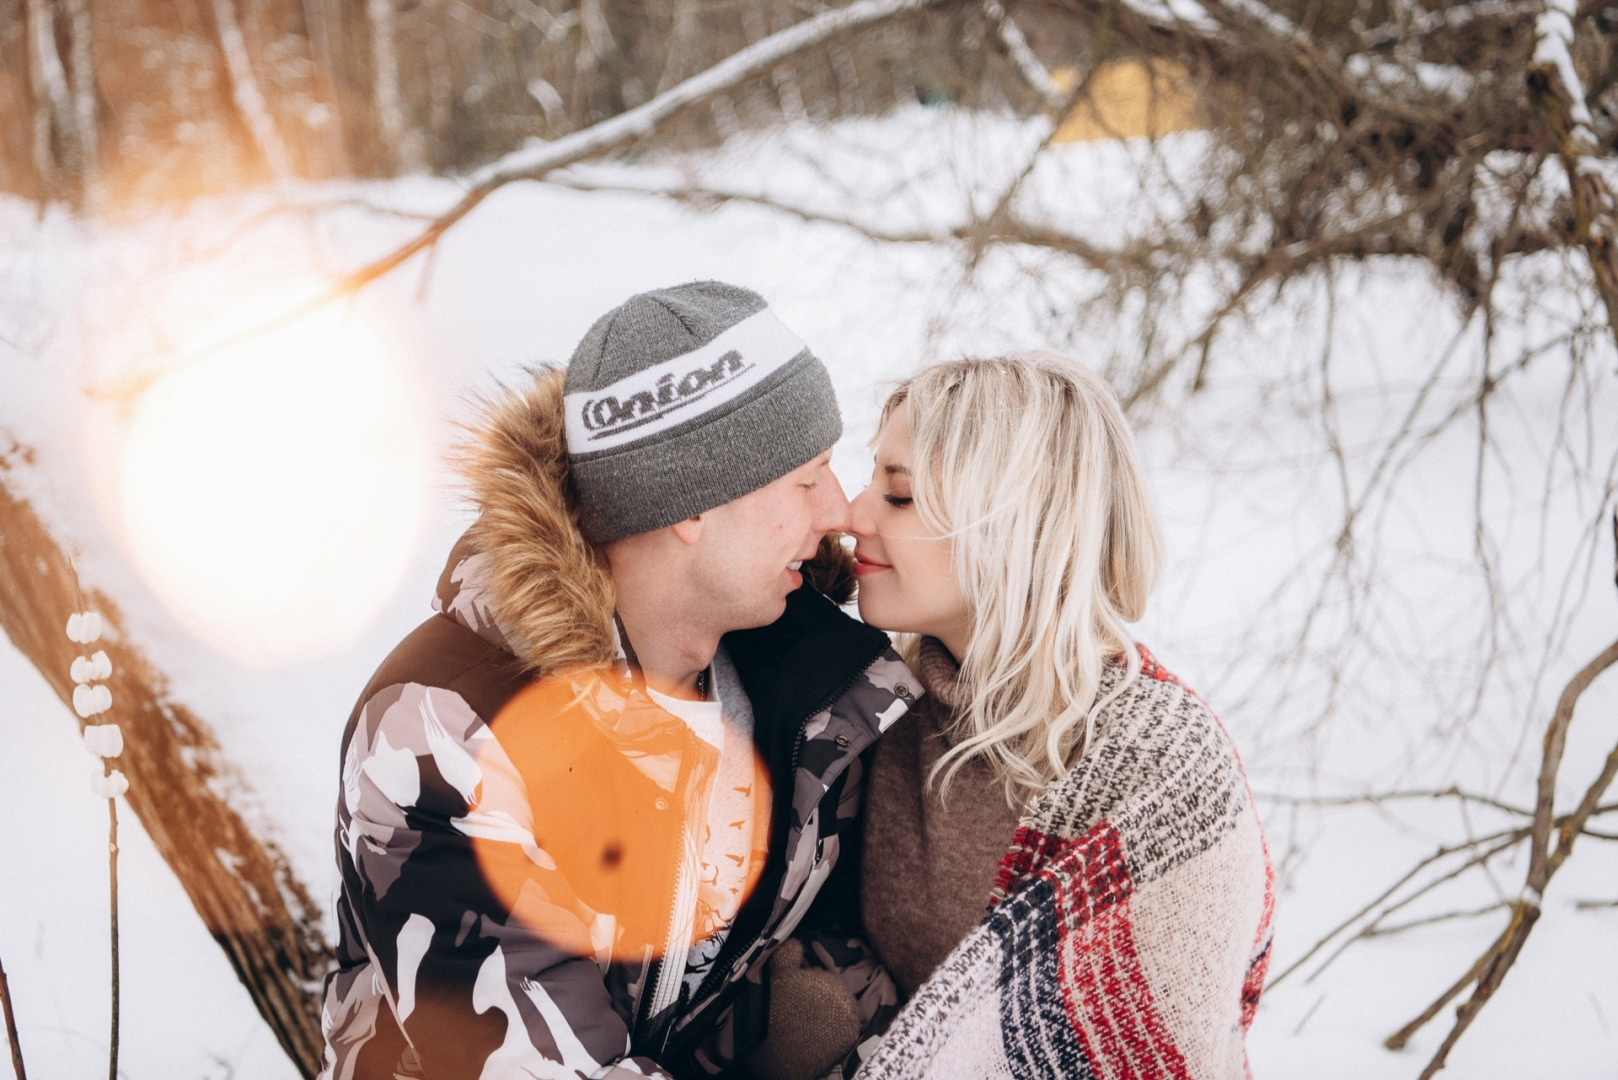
1131, 929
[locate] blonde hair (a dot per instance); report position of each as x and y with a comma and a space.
1026, 463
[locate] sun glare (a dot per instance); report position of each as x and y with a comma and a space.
272, 490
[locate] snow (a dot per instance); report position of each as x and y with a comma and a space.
1251, 494
1553, 47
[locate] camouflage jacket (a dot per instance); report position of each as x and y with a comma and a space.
515, 811
509, 857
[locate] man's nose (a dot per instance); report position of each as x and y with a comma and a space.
859, 514
832, 514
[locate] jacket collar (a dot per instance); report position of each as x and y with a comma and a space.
523, 576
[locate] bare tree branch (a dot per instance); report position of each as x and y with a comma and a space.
11, 1027
1491, 968
242, 886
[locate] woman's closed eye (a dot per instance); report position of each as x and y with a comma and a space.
900, 501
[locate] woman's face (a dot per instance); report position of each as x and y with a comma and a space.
907, 582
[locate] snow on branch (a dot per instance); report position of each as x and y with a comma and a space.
1553, 49
1266, 16
1449, 18
1034, 73
1559, 94
1173, 12
534, 162
531, 163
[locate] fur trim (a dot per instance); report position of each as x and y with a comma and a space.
548, 588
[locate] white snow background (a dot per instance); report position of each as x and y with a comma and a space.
1245, 489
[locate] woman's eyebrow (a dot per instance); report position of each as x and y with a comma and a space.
901, 470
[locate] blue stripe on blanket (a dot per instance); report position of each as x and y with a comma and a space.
1036, 1035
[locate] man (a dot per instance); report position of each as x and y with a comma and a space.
584, 803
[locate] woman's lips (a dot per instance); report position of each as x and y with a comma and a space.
863, 565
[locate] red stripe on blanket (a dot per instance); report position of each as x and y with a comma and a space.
1150, 668
1104, 989
1259, 966
1029, 851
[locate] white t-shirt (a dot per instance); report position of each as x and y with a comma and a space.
727, 848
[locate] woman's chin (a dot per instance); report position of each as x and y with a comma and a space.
874, 615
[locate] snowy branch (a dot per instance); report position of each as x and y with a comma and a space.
1034, 73
533, 163
1559, 94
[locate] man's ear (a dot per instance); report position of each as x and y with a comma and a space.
689, 531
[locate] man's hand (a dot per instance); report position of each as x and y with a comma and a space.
814, 1021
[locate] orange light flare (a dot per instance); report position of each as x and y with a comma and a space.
599, 874
271, 489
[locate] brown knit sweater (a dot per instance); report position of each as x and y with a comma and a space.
929, 865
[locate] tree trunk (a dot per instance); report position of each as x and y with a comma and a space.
318, 21
244, 91
403, 147
84, 95
53, 117
240, 883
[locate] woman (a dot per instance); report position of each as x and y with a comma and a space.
1055, 774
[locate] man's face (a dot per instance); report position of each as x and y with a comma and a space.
752, 545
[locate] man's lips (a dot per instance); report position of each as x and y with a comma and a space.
864, 565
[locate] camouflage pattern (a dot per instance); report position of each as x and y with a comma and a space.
475, 943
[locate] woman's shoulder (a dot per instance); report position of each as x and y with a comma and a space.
1161, 773
1157, 709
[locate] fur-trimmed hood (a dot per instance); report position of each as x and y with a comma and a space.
523, 576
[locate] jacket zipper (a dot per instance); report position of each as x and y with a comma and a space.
660, 969
723, 965
674, 943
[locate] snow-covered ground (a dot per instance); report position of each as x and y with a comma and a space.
1247, 490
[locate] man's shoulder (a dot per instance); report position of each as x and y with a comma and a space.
444, 654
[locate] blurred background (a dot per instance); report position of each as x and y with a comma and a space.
1347, 263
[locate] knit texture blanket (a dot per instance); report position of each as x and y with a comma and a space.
1131, 929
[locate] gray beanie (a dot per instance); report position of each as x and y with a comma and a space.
682, 399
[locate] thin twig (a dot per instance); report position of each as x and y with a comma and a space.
1378, 797
1399, 1039
112, 868
11, 1027
1483, 858
1009, 230
1432, 920
1512, 836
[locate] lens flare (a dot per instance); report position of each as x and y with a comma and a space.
602, 871
272, 489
